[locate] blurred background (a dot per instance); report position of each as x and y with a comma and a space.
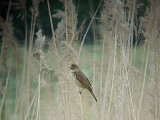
85, 10
114, 42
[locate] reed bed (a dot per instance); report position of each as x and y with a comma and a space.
35, 79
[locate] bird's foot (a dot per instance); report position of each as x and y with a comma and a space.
80, 91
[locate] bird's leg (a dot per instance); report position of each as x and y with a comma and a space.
81, 90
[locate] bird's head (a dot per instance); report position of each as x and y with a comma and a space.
74, 67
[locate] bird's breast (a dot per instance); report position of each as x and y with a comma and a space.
72, 73
79, 84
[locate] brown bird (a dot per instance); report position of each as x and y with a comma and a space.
81, 80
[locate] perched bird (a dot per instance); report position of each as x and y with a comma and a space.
81, 80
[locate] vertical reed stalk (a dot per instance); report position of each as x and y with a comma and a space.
113, 74
106, 89
29, 55
66, 16
102, 63
17, 86
24, 68
143, 84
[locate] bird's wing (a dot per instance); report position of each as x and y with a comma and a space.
83, 79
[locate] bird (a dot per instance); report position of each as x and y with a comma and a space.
81, 80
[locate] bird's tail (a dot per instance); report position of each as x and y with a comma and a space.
91, 91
